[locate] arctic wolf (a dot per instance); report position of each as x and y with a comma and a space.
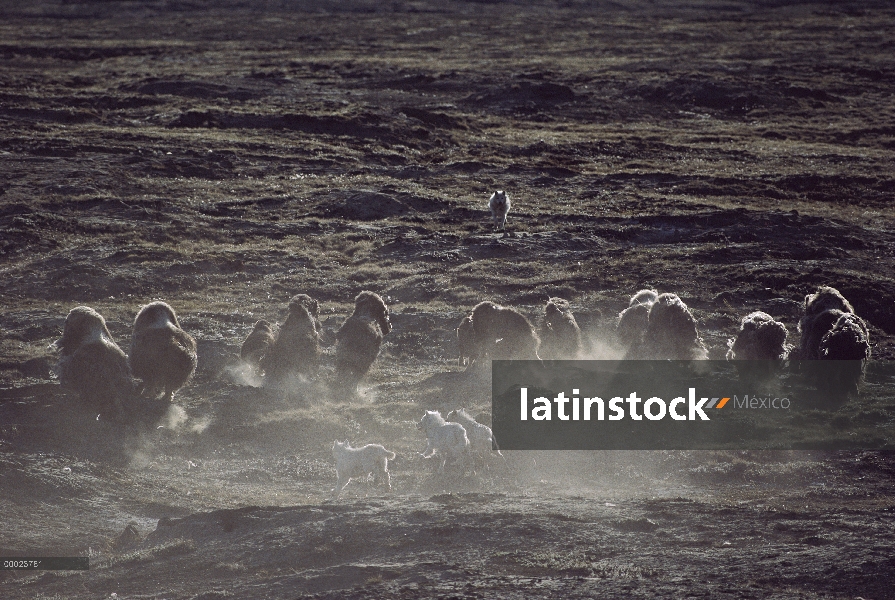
447, 439
360, 462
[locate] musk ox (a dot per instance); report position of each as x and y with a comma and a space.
671, 332
848, 339
559, 332
822, 310
813, 329
760, 338
256, 346
503, 333
832, 333
296, 348
644, 296
361, 462
632, 321
162, 354
499, 204
92, 365
826, 298
843, 350
359, 339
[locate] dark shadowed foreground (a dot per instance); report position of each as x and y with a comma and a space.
226, 156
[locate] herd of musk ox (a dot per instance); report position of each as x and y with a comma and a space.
654, 327
137, 388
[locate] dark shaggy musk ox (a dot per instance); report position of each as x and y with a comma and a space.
760, 338
644, 296
559, 332
826, 298
848, 339
256, 346
296, 350
832, 333
633, 320
843, 351
813, 329
162, 354
760, 347
503, 333
671, 333
359, 339
92, 365
822, 310
466, 342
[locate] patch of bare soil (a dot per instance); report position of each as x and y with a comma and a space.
224, 156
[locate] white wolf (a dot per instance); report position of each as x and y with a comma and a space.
500, 206
360, 462
448, 439
481, 438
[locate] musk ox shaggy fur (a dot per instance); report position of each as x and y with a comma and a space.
760, 338
644, 296
822, 309
632, 321
843, 350
831, 332
559, 332
296, 347
361, 462
256, 346
671, 332
503, 333
162, 354
499, 204
813, 330
359, 339
848, 339
466, 342
826, 298
92, 365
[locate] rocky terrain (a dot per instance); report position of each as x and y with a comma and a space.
225, 156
